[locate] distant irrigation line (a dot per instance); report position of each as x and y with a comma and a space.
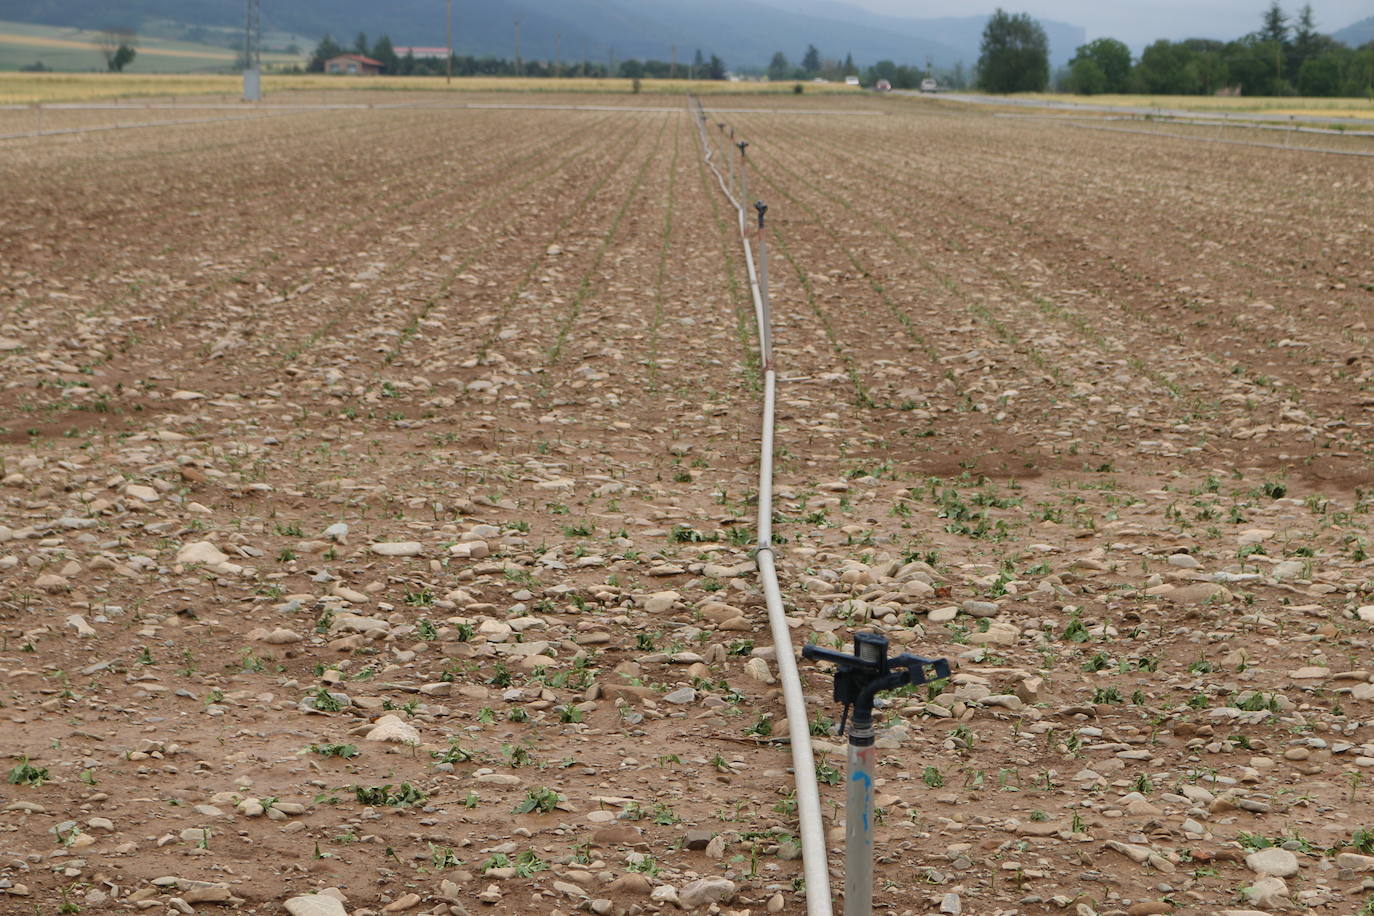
59, 131
1074, 122
267, 111
1195, 122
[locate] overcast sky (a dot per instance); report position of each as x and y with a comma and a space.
1139, 22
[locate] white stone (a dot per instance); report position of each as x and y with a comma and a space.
141, 493
660, 602
398, 549
1273, 861
201, 552
706, 891
315, 905
77, 622
393, 728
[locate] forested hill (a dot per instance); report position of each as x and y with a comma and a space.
745, 33
1357, 34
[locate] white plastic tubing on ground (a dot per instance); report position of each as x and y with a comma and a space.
810, 825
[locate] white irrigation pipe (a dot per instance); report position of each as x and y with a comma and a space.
1158, 133
809, 823
98, 128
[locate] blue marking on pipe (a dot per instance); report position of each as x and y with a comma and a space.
868, 790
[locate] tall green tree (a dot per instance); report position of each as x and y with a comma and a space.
778, 68
1275, 27
123, 56
1015, 54
811, 61
849, 68
360, 45
386, 53
327, 49
1103, 65
1165, 68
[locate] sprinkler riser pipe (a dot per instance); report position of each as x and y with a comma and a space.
858, 821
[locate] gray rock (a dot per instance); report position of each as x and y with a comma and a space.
981, 608
1277, 862
315, 905
706, 891
681, 697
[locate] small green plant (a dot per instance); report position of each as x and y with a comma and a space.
932, 777
828, 773
527, 863
1107, 695
498, 860
346, 751
25, 774
762, 727
644, 864
1074, 630
517, 755
325, 701
405, 794
454, 754
538, 799
441, 857
1259, 702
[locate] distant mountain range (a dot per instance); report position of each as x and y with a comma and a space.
744, 33
1357, 34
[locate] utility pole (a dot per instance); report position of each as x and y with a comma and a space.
519, 69
252, 58
449, 78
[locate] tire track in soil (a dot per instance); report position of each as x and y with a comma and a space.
493, 195
1192, 404
970, 302
1023, 291
1186, 355
360, 230
1036, 236
585, 285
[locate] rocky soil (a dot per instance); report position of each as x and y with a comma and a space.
377, 501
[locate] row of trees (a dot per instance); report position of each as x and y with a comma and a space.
812, 66
1284, 57
383, 51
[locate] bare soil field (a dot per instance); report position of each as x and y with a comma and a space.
377, 505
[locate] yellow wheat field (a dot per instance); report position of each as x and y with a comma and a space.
41, 88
